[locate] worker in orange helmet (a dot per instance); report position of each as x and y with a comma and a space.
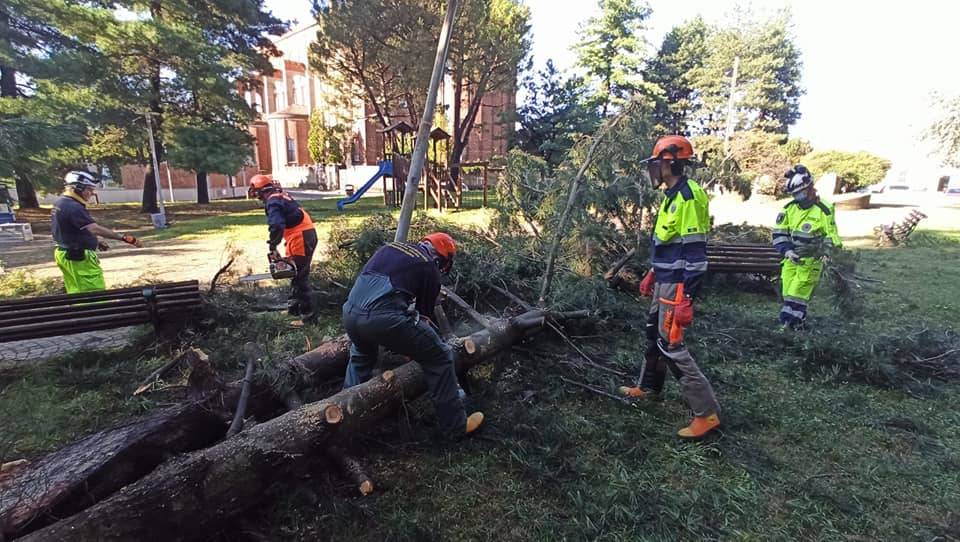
679, 262
392, 305
290, 223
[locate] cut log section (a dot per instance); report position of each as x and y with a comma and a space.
197, 494
352, 470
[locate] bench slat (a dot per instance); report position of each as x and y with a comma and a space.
90, 323
60, 313
67, 314
108, 294
45, 302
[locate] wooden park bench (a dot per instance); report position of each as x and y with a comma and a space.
746, 258
54, 315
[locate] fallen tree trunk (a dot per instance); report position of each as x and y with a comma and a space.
84, 472
194, 495
80, 474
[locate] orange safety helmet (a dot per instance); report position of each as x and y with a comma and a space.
258, 183
445, 247
672, 147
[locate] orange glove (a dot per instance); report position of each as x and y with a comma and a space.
646, 285
131, 240
683, 313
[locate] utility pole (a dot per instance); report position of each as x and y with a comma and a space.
162, 223
426, 121
728, 132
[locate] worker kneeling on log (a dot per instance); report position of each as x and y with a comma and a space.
679, 258
392, 304
76, 235
805, 233
291, 223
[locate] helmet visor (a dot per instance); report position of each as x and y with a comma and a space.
654, 166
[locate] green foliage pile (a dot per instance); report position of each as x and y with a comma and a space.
510, 259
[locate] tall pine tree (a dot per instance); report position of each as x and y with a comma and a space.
612, 52
189, 61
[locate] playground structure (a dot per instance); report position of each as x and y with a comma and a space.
437, 185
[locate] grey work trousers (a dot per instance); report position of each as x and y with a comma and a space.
661, 329
398, 330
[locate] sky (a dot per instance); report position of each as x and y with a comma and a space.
870, 68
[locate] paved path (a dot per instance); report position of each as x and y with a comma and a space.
33, 350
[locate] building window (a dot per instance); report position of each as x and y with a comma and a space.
300, 90
356, 150
254, 100
291, 150
279, 95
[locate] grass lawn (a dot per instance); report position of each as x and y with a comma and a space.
809, 449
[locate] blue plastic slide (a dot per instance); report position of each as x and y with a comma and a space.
386, 168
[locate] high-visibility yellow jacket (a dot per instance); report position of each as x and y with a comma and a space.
679, 243
809, 229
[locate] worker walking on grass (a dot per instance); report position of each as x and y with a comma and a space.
290, 223
805, 234
679, 262
76, 234
392, 305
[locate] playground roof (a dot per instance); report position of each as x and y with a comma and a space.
437, 134
401, 127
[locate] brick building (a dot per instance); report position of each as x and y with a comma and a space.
292, 92
284, 102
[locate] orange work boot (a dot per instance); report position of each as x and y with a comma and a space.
638, 393
700, 426
474, 421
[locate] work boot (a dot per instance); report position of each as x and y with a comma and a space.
639, 393
474, 421
700, 426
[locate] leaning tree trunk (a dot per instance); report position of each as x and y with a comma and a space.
26, 193
203, 192
197, 494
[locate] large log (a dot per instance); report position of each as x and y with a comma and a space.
78, 475
84, 472
197, 494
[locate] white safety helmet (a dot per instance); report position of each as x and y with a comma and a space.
798, 179
80, 180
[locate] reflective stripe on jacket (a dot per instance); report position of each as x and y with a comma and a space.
679, 243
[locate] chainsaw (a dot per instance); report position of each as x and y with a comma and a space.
280, 268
